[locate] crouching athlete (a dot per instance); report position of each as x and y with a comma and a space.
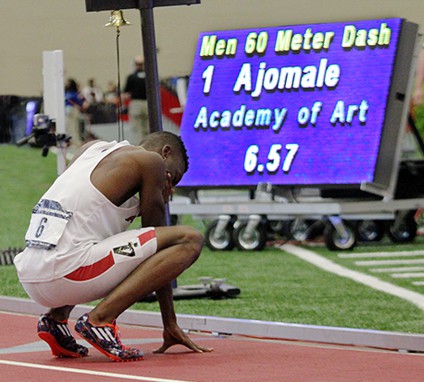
79, 248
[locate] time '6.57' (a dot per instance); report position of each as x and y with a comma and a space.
274, 159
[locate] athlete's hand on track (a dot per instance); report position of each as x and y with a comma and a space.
175, 336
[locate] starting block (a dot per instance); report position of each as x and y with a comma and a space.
208, 288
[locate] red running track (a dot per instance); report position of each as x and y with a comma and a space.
23, 357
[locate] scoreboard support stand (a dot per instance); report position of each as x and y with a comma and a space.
239, 221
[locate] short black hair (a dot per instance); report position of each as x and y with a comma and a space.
158, 139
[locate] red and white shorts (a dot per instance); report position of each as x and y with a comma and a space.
109, 263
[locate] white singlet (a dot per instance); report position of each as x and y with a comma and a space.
71, 218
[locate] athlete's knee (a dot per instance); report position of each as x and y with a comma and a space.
192, 240
183, 236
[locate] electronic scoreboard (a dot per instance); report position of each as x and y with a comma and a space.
317, 104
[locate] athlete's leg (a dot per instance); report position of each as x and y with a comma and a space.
62, 313
178, 247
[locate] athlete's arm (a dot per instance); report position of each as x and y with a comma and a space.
153, 179
172, 333
156, 188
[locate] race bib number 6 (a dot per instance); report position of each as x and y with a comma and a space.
48, 222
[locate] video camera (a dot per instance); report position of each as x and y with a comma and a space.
44, 134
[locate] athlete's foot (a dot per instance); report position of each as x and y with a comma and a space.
59, 338
106, 339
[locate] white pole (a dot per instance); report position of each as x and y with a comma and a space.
54, 98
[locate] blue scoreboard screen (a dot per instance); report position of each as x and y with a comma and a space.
292, 105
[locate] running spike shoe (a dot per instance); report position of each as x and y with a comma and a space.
59, 338
106, 339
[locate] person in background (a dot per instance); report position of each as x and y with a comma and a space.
410, 149
135, 92
418, 94
92, 93
111, 93
75, 106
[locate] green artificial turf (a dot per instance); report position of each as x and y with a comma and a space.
275, 285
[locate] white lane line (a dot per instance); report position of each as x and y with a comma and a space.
371, 281
367, 263
89, 372
397, 269
380, 254
407, 275
42, 346
418, 283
